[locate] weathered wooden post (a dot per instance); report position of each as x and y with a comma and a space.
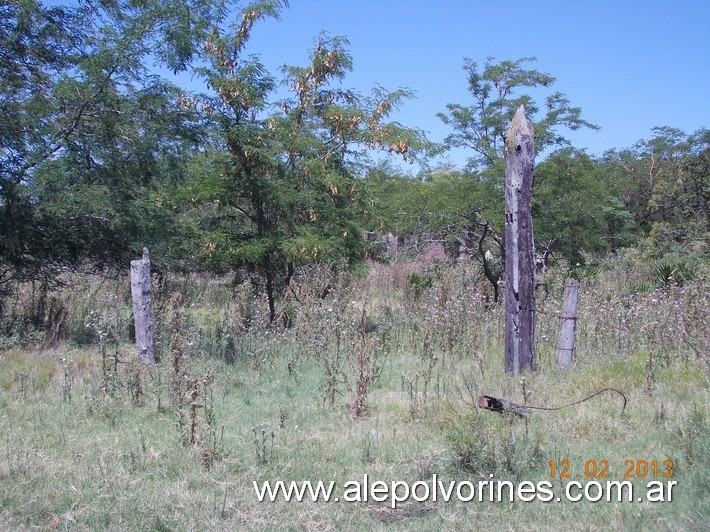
140, 294
568, 318
519, 246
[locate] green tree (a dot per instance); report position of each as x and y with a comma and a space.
287, 191
105, 193
680, 204
498, 89
665, 187
578, 208
78, 125
325, 135
481, 127
36, 47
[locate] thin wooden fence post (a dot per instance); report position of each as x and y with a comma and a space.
568, 319
140, 294
520, 305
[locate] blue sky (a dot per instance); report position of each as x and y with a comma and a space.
630, 65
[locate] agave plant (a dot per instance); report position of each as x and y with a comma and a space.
668, 273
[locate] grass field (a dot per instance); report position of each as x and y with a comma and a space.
378, 376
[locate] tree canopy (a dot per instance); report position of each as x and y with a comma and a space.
100, 156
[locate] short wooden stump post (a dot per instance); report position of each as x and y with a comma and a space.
142, 319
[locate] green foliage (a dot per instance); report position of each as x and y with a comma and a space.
465, 209
482, 126
287, 192
487, 444
681, 206
100, 157
574, 209
37, 48
666, 182
667, 274
87, 130
420, 283
694, 437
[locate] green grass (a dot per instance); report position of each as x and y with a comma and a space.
77, 456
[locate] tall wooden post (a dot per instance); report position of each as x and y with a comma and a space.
140, 294
565, 345
519, 246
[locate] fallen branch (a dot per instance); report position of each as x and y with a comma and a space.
502, 405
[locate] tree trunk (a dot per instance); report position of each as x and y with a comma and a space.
140, 292
519, 246
565, 345
270, 295
492, 277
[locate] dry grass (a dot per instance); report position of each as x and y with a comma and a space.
98, 459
